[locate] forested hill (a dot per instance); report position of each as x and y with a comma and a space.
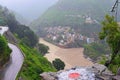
23, 32
34, 62
73, 13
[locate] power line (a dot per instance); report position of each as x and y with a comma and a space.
115, 9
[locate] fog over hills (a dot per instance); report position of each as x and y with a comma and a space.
74, 13
29, 9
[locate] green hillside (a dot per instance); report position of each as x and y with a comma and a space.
34, 62
4, 51
72, 13
24, 33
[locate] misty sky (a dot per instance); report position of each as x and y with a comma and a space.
30, 9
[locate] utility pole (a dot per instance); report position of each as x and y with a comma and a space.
115, 9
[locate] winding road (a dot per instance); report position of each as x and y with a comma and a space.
17, 58
16, 63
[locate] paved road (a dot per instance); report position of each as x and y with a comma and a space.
17, 61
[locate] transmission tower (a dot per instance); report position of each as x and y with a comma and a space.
115, 9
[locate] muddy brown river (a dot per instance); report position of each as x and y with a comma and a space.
72, 57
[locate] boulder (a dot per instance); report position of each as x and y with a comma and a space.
96, 72
48, 76
118, 73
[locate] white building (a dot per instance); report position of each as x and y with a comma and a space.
3, 29
54, 38
81, 37
89, 20
90, 40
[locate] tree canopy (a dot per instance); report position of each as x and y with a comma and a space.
58, 64
24, 33
3, 45
43, 48
111, 33
4, 51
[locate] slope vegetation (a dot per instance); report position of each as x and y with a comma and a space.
34, 63
4, 51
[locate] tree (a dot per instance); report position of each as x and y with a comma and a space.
111, 33
43, 48
3, 45
58, 64
4, 51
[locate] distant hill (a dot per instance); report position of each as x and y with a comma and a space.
29, 9
73, 13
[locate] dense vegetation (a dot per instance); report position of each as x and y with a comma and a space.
43, 49
58, 64
23, 32
4, 51
96, 50
111, 33
73, 13
34, 64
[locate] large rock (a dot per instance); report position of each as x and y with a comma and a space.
49, 76
96, 72
118, 73
101, 70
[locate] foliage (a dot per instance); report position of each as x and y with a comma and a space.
23, 32
4, 51
111, 32
115, 65
103, 60
3, 44
58, 64
96, 50
43, 48
34, 64
26, 35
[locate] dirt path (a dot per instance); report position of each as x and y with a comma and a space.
72, 57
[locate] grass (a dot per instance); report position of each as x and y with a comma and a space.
34, 64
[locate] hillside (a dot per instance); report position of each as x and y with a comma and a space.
27, 41
74, 13
4, 51
31, 9
24, 33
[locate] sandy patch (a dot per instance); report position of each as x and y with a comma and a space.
71, 57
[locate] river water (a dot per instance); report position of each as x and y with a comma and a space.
72, 57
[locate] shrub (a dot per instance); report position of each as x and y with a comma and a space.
58, 64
